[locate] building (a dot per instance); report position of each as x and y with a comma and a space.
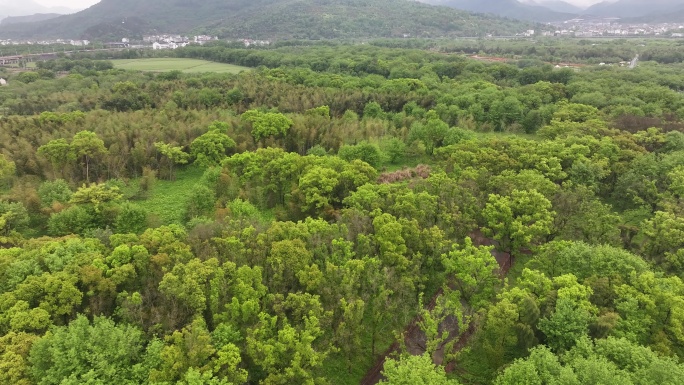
171, 45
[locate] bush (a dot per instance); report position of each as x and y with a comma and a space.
54, 191
200, 203
74, 220
364, 151
131, 219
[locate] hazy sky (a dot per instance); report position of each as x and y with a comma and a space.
88, 3
67, 3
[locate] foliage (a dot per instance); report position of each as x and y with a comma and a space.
337, 187
415, 370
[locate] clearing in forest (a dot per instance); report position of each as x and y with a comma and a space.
177, 64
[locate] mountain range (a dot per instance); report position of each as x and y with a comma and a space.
558, 10
266, 19
634, 8
316, 19
507, 8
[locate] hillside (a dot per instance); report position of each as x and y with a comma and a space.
29, 19
506, 8
676, 16
557, 5
633, 8
266, 19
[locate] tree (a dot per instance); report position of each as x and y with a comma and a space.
13, 217
59, 153
73, 220
97, 195
7, 170
57, 191
87, 146
664, 244
131, 219
364, 151
565, 326
174, 155
101, 352
431, 133
211, 148
610, 361
267, 124
317, 185
415, 370
475, 271
349, 330
286, 354
516, 221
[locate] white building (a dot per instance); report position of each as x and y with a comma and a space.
171, 45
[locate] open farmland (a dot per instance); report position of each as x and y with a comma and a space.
177, 64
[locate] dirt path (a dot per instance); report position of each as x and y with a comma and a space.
414, 338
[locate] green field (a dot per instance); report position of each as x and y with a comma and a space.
177, 64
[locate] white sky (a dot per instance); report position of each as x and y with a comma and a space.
87, 3
584, 3
76, 4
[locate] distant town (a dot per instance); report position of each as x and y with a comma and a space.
162, 41
575, 28
612, 27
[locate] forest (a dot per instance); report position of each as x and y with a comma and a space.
342, 214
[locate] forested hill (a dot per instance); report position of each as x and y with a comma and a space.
267, 19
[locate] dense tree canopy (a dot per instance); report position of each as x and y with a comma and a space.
484, 223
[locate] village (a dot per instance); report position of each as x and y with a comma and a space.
157, 42
613, 28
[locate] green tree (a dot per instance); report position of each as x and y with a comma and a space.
415, 370
59, 153
267, 124
57, 191
431, 133
317, 186
516, 221
97, 195
364, 151
14, 353
13, 217
211, 148
85, 353
286, 354
565, 326
475, 271
7, 170
87, 146
174, 155
664, 243
131, 219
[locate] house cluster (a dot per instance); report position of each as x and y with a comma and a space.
255, 43
79, 43
167, 41
76, 43
613, 28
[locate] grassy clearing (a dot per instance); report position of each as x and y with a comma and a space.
167, 199
177, 64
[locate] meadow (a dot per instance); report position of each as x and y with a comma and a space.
177, 64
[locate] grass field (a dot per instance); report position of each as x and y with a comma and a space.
167, 199
177, 64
